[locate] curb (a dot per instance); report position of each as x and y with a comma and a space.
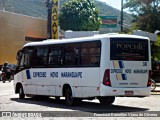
155, 91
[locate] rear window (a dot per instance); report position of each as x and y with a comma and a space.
129, 49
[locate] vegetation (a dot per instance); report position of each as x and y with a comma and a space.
146, 17
105, 10
146, 14
156, 50
37, 8
79, 15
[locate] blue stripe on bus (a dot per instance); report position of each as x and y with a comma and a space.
124, 77
28, 74
121, 65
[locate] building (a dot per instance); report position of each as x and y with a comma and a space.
15, 31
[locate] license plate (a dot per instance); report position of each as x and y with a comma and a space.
129, 93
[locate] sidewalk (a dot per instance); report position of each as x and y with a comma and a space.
158, 86
157, 90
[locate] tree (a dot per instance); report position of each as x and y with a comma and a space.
147, 18
156, 49
79, 15
146, 13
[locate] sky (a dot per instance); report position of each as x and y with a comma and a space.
114, 3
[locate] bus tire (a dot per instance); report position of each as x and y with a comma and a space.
21, 93
106, 100
69, 97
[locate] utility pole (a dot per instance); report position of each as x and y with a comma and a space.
121, 15
49, 29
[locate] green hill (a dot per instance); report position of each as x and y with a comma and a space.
37, 8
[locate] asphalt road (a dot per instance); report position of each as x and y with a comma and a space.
123, 107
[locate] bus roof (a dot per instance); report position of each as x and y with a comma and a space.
91, 38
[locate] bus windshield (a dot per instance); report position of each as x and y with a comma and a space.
129, 49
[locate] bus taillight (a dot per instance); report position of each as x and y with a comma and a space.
149, 78
106, 78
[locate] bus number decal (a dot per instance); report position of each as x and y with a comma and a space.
144, 63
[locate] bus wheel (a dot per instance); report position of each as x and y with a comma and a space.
68, 97
21, 93
106, 100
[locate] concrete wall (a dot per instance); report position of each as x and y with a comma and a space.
13, 29
77, 34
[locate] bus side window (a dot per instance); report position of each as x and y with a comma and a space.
90, 53
40, 57
25, 61
55, 55
71, 54
21, 65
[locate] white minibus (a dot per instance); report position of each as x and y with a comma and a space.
101, 66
